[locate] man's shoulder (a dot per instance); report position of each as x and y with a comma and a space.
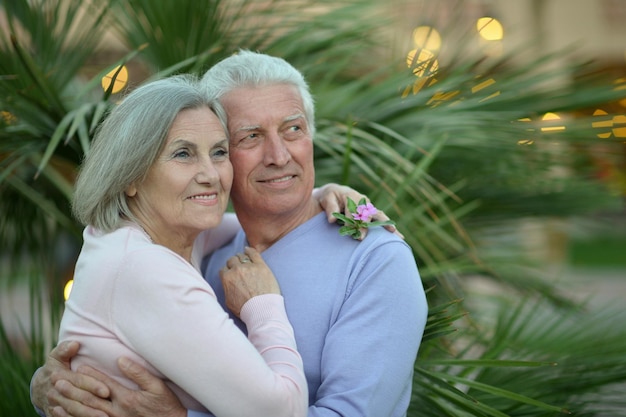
381, 238
320, 238
219, 256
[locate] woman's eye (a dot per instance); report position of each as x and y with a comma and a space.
220, 153
182, 153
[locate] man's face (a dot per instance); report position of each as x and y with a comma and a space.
271, 150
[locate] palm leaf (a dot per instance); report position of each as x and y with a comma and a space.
439, 154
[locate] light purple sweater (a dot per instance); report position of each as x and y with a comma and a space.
358, 310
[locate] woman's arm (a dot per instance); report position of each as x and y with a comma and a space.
175, 323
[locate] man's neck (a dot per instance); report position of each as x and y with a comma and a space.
263, 231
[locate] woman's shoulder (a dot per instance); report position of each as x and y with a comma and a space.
126, 243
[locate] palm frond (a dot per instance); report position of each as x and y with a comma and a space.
458, 156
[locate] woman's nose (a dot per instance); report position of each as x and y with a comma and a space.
207, 173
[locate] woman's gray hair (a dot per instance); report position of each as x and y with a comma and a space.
252, 69
126, 145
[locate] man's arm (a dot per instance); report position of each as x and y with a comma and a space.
370, 350
56, 374
152, 398
56, 391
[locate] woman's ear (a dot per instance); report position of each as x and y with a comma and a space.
131, 191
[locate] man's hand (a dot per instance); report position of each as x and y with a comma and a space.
60, 392
57, 369
153, 398
333, 199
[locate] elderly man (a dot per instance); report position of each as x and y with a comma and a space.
358, 308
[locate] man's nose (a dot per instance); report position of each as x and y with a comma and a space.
276, 151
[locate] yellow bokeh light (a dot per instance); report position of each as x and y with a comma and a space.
120, 81
440, 97
7, 117
526, 142
423, 63
426, 37
490, 29
605, 123
417, 86
483, 84
620, 131
68, 289
551, 118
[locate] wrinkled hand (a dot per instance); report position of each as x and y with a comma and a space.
334, 199
245, 276
153, 398
55, 377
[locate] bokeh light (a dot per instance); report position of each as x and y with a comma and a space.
68, 289
605, 124
551, 119
427, 37
423, 62
490, 29
619, 126
120, 81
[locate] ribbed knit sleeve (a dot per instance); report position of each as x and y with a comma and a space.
165, 312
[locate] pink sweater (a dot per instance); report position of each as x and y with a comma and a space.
137, 299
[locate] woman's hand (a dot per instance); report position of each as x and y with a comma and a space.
334, 197
246, 275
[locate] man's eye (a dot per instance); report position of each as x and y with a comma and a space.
251, 136
293, 132
247, 140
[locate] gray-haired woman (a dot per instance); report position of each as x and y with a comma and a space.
152, 192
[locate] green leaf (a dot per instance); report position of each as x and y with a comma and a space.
345, 219
351, 205
500, 392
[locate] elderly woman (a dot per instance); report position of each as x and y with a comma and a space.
152, 193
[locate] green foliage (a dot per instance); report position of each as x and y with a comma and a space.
23, 346
517, 365
440, 156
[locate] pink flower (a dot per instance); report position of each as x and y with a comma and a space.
365, 212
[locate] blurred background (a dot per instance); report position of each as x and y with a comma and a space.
493, 132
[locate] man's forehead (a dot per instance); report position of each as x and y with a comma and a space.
241, 125
263, 95
256, 107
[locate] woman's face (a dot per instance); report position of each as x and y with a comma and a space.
186, 189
